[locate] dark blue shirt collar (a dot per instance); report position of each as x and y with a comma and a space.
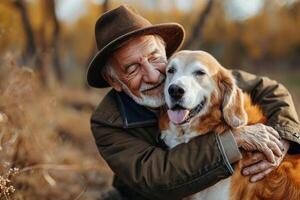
133, 114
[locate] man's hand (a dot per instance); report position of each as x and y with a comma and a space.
258, 167
260, 138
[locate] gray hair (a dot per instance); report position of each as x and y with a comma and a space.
108, 70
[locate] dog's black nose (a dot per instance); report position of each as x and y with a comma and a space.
176, 92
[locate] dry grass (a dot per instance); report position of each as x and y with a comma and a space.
45, 133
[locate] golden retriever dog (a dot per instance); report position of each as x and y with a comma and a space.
202, 96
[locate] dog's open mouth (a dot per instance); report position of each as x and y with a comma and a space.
180, 115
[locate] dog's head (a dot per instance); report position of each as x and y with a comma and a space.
193, 77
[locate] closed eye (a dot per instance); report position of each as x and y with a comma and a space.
199, 73
132, 68
171, 70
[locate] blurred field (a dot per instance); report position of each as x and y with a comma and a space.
46, 135
47, 150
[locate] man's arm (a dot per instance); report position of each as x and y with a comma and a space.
164, 174
275, 101
279, 109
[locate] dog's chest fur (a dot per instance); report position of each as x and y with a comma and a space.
175, 135
220, 190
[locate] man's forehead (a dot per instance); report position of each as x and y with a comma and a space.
137, 43
133, 49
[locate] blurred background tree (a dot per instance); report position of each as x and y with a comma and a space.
240, 33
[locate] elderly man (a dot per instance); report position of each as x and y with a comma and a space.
132, 58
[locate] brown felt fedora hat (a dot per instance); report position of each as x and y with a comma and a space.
116, 26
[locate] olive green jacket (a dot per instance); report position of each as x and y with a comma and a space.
128, 138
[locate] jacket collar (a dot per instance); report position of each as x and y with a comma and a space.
133, 114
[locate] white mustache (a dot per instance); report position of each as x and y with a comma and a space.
146, 86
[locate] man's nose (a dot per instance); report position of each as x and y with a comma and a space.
151, 74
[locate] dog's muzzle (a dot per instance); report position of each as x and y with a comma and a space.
180, 115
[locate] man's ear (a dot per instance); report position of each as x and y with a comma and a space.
113, 82
233, 101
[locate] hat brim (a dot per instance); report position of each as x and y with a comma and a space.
172, 33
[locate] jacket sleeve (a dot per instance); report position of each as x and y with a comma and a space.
276, 102
158, 173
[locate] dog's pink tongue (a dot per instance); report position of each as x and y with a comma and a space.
178, 116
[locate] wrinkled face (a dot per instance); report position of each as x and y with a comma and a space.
188, 86
140, 70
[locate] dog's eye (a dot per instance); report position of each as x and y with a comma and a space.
199, 73
171, 70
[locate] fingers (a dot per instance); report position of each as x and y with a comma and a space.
275, 145
257, 168
252, 159
273, 131
271, 154
268, 153
279, 143
261, 175
275, 149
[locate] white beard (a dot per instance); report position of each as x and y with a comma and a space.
146, 100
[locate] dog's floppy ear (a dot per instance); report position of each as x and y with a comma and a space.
232, 106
